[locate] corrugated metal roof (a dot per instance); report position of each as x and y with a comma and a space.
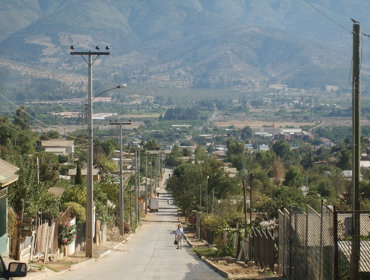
345, 248
56, 150
57, 143
7, 173
72, 172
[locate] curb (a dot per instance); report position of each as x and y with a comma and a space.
51, 273
223, 273
219, 270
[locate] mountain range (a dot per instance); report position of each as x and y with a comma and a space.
242, 45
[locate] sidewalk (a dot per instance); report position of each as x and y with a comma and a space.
38, 271
228, 267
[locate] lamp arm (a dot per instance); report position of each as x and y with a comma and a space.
119, 86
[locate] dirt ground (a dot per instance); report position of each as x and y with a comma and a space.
113, 236
240, 272
237, 270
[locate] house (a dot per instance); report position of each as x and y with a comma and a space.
263, 147
7, 176
72, 173
58, 146
232, 171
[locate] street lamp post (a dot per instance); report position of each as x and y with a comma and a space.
89, 214
120, 198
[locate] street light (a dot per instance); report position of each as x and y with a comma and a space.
89, 202
119, 86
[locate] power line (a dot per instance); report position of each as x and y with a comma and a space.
345, 28
18, 107
45, 125
19, 131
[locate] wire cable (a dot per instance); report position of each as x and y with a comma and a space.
16, 106
345, 28
19, 131
45, 125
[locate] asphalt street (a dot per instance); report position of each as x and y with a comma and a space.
148, 254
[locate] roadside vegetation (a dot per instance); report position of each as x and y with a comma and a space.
289, 174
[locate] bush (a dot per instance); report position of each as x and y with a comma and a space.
66, 232
206, 252
77, 210
12, 221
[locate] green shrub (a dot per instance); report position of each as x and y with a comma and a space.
77, 210
206, 252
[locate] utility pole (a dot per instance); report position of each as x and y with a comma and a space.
120, 197
207, 204
356, 136
159, 170
155, 175
138, 189
146, 185
250, 197
151, 177
136, 183
89, 202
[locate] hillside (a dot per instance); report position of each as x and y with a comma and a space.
223, 44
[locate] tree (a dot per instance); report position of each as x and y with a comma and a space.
192, 184
344, 159
282, 149
200, 153
234, 147
278, 172
75, 193
48, 167
78, 178
246, 133
52, 134
26, 192
151, 144
294, 177
173, 159
22, 118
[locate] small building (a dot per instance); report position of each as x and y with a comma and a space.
281, 135
58, 146
232, 171
7, 176
72, 173
263, 147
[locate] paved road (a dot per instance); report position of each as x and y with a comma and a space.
148, 254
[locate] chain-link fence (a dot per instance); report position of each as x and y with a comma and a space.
344, 250
314, 246
327, 243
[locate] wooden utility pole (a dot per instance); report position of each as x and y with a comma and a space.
146, 185
120, 197
356, 136
89, 199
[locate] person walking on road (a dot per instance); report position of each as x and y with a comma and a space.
179, 233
